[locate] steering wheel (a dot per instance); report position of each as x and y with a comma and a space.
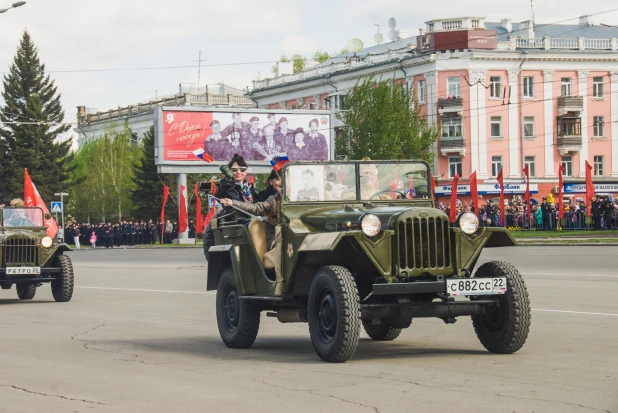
388, 191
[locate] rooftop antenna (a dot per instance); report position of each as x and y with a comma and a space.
355, 45
199, 70
532, 10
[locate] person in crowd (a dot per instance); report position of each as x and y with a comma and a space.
271, 209
272, 121
270, 190
597, 212
169, 228
93, 240
267, 147
237, 125
233, 146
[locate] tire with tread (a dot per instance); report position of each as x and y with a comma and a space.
334, 334
240, 329
25, 291
381, 332
504, 330
62, 286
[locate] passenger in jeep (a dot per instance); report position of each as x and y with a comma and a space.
270, 227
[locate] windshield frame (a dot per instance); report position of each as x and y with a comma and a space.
2, 219
357, 165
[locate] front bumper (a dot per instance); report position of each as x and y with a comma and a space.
47, 275
417, 287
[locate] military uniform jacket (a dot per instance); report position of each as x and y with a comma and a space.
311, 194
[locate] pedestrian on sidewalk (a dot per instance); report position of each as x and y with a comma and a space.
93, 240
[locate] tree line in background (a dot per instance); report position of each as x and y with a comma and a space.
113, 178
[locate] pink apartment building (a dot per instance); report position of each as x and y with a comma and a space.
504, 95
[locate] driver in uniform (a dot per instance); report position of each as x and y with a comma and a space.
18, 217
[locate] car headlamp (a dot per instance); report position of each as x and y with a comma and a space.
371, 225
47, 242
469, 223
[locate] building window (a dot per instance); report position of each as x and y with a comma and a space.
421, 91
451, 25
528, 87
569, 126
452, 86
496, 126
313, 105
565, 88
598, 126
529, 162
454, 166
597, 87
529, 126
567, 164
475, 24
494, 87
430, 28
598, 165
451, 127
496, 165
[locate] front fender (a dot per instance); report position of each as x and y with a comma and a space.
48, 255
469, 248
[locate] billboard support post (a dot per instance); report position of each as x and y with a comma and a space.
183, 237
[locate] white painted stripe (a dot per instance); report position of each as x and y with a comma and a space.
149, 291
574, 312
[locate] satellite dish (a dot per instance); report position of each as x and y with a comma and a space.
393, 34
392, 23
378, 38
355, 45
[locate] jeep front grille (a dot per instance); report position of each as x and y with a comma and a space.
20, 251
424, 243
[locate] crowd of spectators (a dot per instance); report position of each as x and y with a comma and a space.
544, 216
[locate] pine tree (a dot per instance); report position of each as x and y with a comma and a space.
31, 96
148, 194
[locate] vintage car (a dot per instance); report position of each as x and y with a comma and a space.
29, 257
363, 244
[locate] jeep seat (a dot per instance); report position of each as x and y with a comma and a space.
257, 233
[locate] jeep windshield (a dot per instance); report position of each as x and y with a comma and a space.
351, 181
21, 217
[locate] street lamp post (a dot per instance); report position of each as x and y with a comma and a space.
62, 195
13, 6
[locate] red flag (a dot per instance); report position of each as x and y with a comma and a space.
411, 185
560, 203
453, 208
207, 157
589, 188
474, 192
166, 194
182, 214
279, 165
501, 181
433, 187
198, 209
527, 195
33, 199
211, 215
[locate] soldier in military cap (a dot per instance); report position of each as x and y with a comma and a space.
250, 137
18, 216
284, 135
215, 144
236, 126
310, 192
316, 141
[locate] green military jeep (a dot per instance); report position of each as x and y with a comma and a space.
368, 249
29, 258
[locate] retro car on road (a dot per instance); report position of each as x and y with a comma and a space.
29, 257
366, 248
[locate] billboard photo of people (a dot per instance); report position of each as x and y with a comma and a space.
217, 136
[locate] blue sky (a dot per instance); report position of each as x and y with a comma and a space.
113, 34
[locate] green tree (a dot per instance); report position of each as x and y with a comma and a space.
381, 121
33, 119
147, 196
299, 61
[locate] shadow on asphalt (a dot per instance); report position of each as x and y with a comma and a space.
291, 349
10, 301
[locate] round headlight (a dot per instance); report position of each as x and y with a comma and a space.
371, 225
47, 242
469, 223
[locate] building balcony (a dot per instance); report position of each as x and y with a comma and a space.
569, 144
452, 145
453, 105
568, 104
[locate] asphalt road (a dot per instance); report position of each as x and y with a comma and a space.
140, 335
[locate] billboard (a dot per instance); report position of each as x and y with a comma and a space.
204, 138
486, 189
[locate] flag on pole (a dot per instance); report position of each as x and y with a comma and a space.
453, 208
198, 208
411, 185
33, 199
560, 203
474, 192
166, 194
501, 182
433, 187
182, 214
200, 153
589, 188
527, 195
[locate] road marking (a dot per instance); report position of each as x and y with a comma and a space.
574, 312
147, 290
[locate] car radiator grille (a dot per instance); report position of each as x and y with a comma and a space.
19, 251
423, 243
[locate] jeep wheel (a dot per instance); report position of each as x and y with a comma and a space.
238, 320
504, 329
25, 291
334, 314
62, 285
381, 332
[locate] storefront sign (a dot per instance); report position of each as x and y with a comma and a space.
580, 188
487, 189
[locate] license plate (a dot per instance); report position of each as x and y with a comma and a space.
23, 270
476, 286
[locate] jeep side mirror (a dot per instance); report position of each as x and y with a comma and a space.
48, 216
